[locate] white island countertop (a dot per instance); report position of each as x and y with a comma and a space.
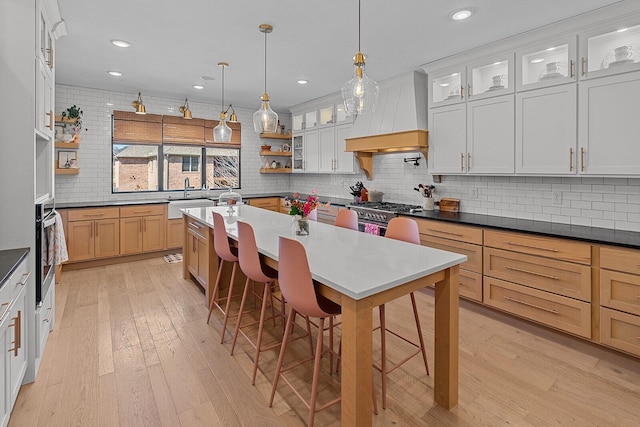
353, 263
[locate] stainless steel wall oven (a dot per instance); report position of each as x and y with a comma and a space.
45, 218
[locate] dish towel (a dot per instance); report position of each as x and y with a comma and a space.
372, 229
56, 247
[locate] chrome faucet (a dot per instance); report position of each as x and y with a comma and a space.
187, 186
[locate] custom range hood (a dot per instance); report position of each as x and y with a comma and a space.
398, 125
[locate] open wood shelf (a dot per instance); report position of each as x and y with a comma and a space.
275, 170
67, 171
276, 136
276, 153
69, 145
60, 119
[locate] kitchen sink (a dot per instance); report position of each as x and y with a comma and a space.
175, 206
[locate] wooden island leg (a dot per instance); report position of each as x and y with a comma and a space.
446, 340
356, 369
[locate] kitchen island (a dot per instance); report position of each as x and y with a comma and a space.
394, 269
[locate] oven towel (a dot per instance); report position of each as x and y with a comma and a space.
55, 251
372, 229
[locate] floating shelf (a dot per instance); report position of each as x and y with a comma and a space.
60, 119
69, 171
275, 170
69, 145
276, 153
276, 136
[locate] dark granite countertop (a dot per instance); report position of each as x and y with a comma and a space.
9, 260
576, 232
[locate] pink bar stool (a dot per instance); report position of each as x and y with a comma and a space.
250, 264
405, 229
228, 254
347, 218
297, 288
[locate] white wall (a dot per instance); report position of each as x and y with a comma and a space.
598, 202
93, 183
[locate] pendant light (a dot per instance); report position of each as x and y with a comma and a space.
265, 120
138, 105
186, 112
360, 93
222, 132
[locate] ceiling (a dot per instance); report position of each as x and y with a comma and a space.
174, 43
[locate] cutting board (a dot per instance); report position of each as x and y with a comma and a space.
449, 205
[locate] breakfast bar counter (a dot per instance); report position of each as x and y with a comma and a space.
393, 269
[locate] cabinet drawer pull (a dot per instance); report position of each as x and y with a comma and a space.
548, 276
142, 212
24, 278
445, 232
49, 313
461, 92
17, 339
461, 162
531, 305
98, 214
468, 162
194, 225
571, 68
533, 247
581, 159
571, 159
4, 313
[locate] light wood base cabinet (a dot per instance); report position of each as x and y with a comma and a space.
560, 312
89, 239
142, 229
620, 330
268, 203
196, 255
175, 233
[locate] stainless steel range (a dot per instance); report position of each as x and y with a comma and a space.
379, 213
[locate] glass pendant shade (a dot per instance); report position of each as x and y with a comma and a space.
222, 132
360, 94
265, 120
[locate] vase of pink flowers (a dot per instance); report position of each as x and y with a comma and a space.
300, 209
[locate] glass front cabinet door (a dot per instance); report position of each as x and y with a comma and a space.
490, 77
448, 87
547, 64
610, 50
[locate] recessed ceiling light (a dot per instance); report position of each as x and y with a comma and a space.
454, 74
460, 15
497, 63
110, 104
120, 43
622, 30
444, 84
549, 49
303, 82
207, 77
198, 87
115, 73
537, 60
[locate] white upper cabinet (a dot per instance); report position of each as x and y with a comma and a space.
609, 128
448, 86
490, 77
311, 119
448, 139
546, 64
297, 122
546, 131
333, 113
611, 49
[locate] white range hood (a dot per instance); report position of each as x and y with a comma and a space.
399, 123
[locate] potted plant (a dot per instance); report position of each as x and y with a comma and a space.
72, 114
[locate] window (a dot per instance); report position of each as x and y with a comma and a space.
135, 167
223, 167
190, 163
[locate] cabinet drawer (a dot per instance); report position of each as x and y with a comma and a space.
620, 330
197, 227
560, 277
93, 213
473, 252
44, 320
269, 203
620, 291
445, 230
627, 260
471, 285
559, 312
142, 210
550, 247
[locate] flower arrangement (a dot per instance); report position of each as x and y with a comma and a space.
304, 207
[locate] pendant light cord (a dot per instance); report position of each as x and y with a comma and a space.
359, 26
265, 62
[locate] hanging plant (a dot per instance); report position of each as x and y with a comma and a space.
73, 113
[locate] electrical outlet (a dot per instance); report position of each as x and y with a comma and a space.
474, 192
557, 197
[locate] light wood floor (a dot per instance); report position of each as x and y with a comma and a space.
131, 347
